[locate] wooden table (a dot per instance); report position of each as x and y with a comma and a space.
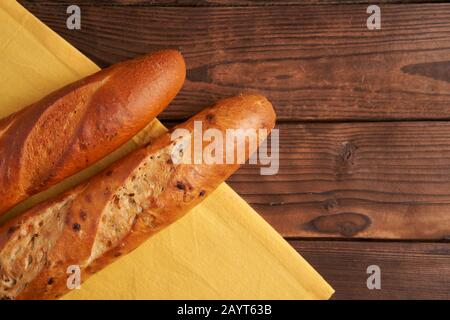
363, 118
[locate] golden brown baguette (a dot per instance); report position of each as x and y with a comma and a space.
83, 122
118, 209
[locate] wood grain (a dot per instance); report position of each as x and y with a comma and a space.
316, 63
408, 270
386, 180
233, 3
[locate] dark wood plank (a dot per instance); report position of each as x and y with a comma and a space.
364, 180
200, 3
408, 270
314, 62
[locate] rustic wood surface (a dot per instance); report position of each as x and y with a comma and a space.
408, 270
385, 180
222, 3
313, 62
362, 118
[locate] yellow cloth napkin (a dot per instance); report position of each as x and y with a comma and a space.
221, 250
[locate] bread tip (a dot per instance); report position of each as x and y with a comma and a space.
264, 106
171, 54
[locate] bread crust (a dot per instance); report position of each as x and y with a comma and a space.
170, 190
83, 122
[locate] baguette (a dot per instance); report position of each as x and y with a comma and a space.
114, 212
83, 122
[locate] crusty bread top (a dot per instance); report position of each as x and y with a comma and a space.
83, 122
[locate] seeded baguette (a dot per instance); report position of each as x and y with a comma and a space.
83, 122
115, 211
